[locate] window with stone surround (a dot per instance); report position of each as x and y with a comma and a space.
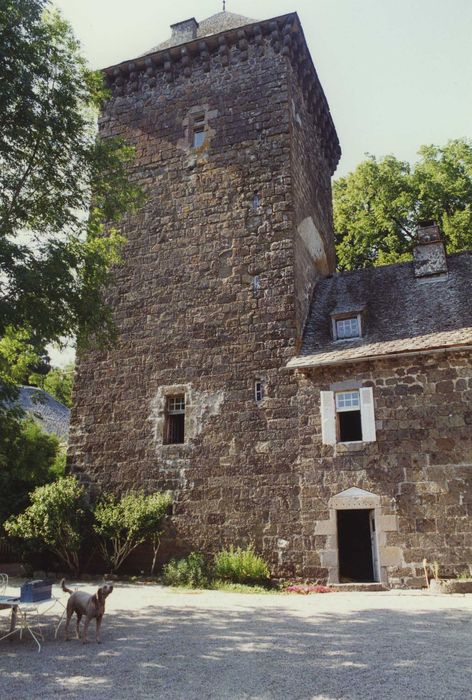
174, 426
347, 416
198, 131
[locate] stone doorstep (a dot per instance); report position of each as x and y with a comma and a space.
372, 587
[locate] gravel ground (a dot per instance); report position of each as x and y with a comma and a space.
164, 644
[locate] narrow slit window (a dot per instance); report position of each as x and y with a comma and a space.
256, 285
348, 416
258, 390
175, 420
198, 131
256, 201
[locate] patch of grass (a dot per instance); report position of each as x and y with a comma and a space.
465, 575
229, 587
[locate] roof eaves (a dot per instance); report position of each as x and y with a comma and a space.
313, 361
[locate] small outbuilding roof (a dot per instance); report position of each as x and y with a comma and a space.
401, 313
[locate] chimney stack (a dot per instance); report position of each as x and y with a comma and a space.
184, 31
429, 254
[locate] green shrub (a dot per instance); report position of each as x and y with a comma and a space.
123, 524
54, 521
190, 572
240, 566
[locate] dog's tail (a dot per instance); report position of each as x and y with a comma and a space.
64, 587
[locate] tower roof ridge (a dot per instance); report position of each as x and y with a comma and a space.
219, 22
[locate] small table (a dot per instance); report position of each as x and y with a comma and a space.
21, 609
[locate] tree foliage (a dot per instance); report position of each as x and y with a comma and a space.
124, 523
28, 458
378, 207
54, 521
54, 260
58, 382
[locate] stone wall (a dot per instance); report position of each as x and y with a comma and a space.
314, 255
204, 303
420, 467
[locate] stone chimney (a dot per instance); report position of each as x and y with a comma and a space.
184, 31
429, 254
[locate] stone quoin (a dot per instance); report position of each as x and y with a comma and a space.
325, 417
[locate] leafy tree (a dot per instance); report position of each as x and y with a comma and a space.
54, 521
378, 207
123, 524
28, 458
17, 356
54, 260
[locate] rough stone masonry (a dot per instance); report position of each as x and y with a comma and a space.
235, 148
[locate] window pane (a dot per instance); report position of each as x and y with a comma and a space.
347, 328
176, 404
198, 137
258, 390
347, 400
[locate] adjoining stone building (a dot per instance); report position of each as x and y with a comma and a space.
324, 417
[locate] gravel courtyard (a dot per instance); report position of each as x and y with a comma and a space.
158, 643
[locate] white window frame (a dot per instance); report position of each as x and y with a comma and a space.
336, 319
328, 411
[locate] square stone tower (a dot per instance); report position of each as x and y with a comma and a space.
235, 148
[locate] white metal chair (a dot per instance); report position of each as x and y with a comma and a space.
3, 583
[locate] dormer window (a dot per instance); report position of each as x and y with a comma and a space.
346, 326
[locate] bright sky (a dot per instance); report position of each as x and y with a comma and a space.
397, 73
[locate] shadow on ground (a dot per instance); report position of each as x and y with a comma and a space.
251, 653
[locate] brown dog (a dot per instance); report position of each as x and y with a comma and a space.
92, 605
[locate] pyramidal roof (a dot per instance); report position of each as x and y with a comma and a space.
221, 22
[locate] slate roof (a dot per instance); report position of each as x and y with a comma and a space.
221, 22
403, 314
49, 413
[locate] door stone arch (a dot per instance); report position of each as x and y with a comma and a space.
356, 498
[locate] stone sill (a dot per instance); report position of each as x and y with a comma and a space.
343, 447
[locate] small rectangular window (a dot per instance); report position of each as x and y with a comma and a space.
256, 285
348, 413
347, 416
347, 328
198, 136
258, 390
174, 432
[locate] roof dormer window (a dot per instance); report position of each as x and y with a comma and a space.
347, 324
347, 328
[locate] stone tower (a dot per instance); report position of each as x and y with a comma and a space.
235, 148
